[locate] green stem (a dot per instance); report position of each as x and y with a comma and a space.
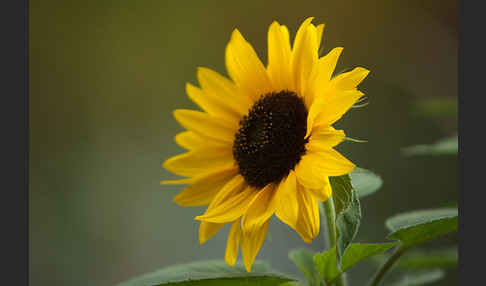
331, 233
387, 266
330, 214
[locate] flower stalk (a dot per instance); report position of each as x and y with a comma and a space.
330, 230
331, 233
380, 274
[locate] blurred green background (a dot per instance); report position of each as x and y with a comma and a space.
106, 75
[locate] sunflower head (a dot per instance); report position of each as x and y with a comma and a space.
270, 141
263, 143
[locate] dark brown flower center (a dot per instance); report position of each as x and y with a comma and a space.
270, 141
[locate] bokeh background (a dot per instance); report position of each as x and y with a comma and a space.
106, 75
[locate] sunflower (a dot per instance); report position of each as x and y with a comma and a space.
263, 143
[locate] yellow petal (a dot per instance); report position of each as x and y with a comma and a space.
230, 209
192, 141
319, 32
279, 55
314, 167
301, 30
351, 79
213, 104
328, 63
304, 58
336, 164
319, 80
308, 223
324, 137
245, 68
327, 110
324, 193
215, 84
207, 125
261, 208
232, 243
251, 242
285, 33
184, 181
337, 107
200, 161
202, 189
207, 230
288, 207
230, 189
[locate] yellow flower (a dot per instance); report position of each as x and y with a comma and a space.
263, 144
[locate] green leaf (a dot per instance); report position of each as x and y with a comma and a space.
415, 227
430, 259
359, 251
327, 266
365, 182
210, 272
412, 218
235, 281
415, 260
347, 224
326, 262
420, 278
292, 283
444, 146
304, 261
348, 211
341, 192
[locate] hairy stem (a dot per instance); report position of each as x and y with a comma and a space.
330, 214
380, 274
331, 233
